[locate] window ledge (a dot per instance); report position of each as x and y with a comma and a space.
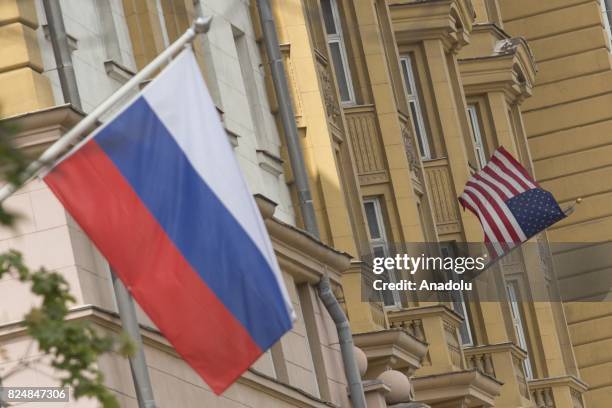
270, 162
118, 71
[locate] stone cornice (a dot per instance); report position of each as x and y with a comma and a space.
447, 20
151, 337
496, 348
468, 385
392, 349
397, 317
510, 68
39, 129
300, 254
562, 381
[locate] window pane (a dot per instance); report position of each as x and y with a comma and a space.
370, 211
477, 136
328, 17
379, 252
512, 290
340, 70
405, 67
417, 127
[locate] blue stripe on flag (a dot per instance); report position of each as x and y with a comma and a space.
194, 218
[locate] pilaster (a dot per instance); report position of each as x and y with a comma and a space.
24, 87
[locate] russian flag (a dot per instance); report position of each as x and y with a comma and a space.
160, 193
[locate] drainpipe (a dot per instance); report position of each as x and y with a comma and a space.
279, 78
61, 50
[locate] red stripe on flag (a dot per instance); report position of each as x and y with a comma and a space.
518, 166
509, 173
172, 294
487, 237
493, 186
499, 212
499, 237
500, 180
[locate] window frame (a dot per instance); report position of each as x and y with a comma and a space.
477, 139
382, 242
459, 305
338, 38
514, 295
413, 98
606, 18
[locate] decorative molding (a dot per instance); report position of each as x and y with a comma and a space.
270, 162
117, 71
332, 106
455, 388
449, 21
362, 128
510, 67
442, 196
109, 320
391, 349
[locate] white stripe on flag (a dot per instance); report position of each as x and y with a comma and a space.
494, 215
502, 174
485, 225
193, 121
506, 211
513, 169
497, 184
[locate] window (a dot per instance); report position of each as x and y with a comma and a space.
249, 84
481, 156
379, 244
412, 96
606, 9
513, 297
337, 47
458, 300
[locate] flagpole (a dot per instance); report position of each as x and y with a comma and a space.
138, 362
570, 209
125, 303
61, 146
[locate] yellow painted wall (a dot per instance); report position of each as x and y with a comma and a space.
23, 88
569, 125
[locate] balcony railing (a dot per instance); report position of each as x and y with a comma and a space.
497, 360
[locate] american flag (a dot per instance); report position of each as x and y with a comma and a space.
511, 206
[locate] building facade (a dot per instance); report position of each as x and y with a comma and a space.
421, 94
397, 103
567, 123
109, 41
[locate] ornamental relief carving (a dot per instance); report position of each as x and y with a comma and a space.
413, 158
332, 107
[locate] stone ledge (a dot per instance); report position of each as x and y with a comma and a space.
392, 349
470, 387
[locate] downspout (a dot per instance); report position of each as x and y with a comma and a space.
62, 53
279, 78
